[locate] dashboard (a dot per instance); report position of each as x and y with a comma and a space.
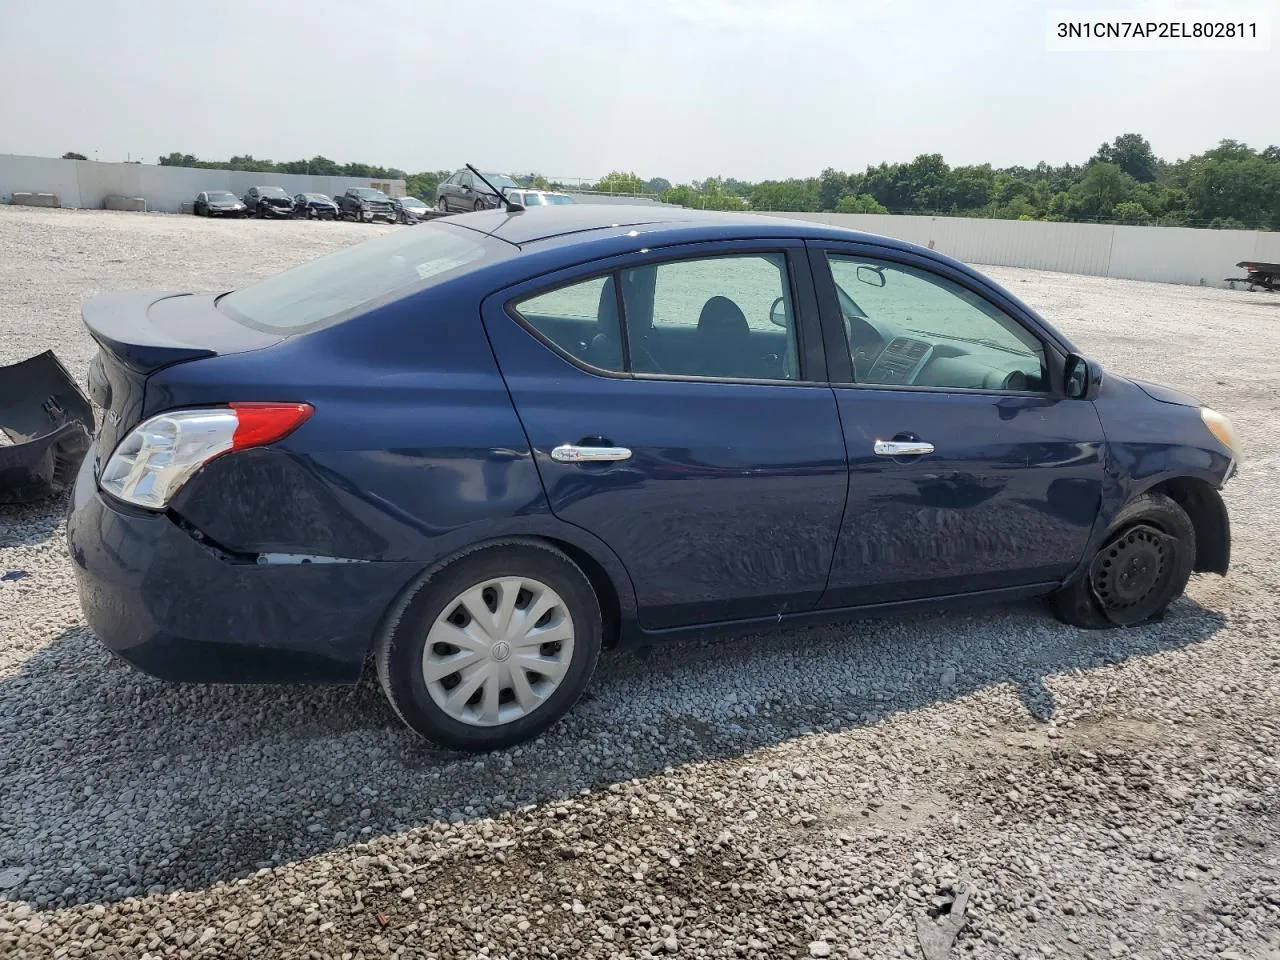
892, 355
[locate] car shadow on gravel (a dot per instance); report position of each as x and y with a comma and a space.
113, 784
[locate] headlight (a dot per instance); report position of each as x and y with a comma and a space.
1222, 428
152, 463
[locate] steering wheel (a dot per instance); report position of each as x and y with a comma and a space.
865, 345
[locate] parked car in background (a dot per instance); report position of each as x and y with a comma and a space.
508, 441
314, 206
219, 203
410, 210
268, 202
465, 192
538, 198
366, 204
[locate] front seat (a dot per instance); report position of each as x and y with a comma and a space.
724, 341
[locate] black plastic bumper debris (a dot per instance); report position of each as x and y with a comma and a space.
48, 421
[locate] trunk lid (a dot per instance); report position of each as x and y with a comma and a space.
141, 333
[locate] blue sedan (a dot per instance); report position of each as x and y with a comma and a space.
483, 451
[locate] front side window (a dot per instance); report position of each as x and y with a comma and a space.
909, 327
726, 317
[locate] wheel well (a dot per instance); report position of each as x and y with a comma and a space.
602, 583
1208, 514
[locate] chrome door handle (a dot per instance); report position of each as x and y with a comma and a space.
572, 453
902, 448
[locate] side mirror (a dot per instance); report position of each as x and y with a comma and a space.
872, 276
778, 313
1081, 378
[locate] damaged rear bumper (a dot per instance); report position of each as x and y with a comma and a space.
48, 422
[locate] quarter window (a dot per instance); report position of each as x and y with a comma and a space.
580, 319
909, 327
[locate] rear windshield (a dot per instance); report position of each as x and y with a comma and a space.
386, 268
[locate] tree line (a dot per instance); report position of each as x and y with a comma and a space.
1231, 185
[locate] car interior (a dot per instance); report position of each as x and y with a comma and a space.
906, 329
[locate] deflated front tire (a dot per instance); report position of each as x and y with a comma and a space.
1143, 565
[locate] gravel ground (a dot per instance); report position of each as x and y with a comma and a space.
864, 790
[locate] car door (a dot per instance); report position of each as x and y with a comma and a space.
969, 470
465, 198
716, 473
201, 205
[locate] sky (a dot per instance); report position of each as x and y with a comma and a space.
680, 89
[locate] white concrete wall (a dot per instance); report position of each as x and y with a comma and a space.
87, 183
1164, 254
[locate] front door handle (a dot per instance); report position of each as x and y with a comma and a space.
902, 448
572, 453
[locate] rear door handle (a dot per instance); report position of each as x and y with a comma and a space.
902, 448
572, 453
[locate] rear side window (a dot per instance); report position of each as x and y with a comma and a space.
334, 287
726, 317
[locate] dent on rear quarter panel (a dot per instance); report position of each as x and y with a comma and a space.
414, 449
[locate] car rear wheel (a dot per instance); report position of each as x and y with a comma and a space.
479, 205
1143, 566
494, 647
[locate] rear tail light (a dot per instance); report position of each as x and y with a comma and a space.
152, 463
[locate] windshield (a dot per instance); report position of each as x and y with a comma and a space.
555, 199
317, 196
383, 269
412, 202
499, 181
271, 192
365, 193
221, 196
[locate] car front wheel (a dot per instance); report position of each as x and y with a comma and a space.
1143, 566
493, 648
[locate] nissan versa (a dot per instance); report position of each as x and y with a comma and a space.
483, 450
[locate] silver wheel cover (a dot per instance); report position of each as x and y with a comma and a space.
498, 651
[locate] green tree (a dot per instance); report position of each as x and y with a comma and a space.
788, 195
1244, 189
1132, 212
423, 185
617, 181
1103, 186
1131, 153
178, 160
970, 188
832, 185
658, 185
860, 203
709, 195
72, 155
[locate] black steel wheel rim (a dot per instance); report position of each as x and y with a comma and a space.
1130, 576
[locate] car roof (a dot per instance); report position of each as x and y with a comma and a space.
604, 221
